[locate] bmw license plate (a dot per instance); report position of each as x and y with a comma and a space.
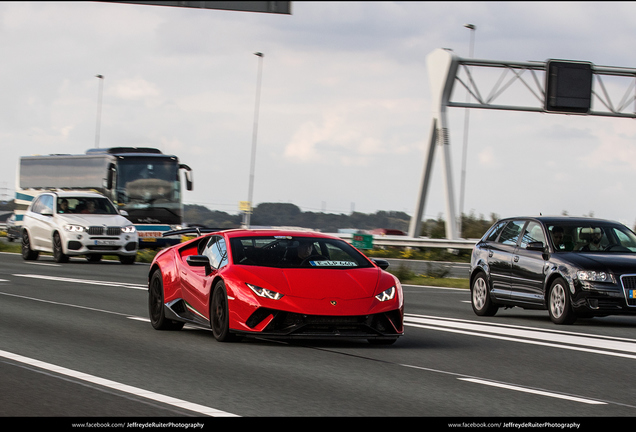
105, 243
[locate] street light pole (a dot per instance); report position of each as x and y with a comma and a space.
248, 212
99, 108
472, 29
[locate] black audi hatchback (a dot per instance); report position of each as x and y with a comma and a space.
573, 267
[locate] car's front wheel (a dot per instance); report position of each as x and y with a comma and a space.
94, 258
28, 253
127, 259
559, 305
219, 314
58, 254
155, 305
480, 297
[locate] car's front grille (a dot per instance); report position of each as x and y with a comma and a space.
102, 230
629, 285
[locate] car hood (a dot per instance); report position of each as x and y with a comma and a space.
93, 220
314, 283
618, 263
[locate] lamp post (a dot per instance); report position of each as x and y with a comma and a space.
99, 108
472, 29
248, 212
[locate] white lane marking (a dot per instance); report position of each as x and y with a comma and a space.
44, 264
619, 347
62, 304
533, 391
85, 281
200, 409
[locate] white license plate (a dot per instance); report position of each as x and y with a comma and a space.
105, 243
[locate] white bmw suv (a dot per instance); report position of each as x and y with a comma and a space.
77, 223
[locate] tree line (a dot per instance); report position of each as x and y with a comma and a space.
290, 215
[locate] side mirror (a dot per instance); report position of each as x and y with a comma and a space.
382, 263
188, 175
536, 246
199, 261
110, 176
47, 212
123, 212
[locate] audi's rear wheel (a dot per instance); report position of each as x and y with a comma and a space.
480, 297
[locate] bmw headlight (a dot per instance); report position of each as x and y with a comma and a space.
262, 292
594, 276
386, 295
74, 228
128, 229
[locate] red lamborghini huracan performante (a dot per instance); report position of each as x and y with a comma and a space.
276, 284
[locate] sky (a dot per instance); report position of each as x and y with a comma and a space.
345, 101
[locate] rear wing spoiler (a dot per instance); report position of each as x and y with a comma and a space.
199, 231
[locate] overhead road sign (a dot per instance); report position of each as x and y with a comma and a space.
568, 86
280, 7
555, 86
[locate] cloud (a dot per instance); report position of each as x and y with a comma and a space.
134, 89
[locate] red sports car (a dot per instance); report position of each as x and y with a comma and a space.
277, 284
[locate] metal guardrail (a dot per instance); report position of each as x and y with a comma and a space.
420, 242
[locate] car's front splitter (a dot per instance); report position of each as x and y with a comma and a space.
288, 324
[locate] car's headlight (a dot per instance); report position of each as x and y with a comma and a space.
386, 295
128, 229
262, 292
74, 228
593, 276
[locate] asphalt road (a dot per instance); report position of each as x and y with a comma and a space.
75, 342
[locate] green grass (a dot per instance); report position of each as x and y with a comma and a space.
439, 282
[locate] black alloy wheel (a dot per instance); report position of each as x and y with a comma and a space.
219, 314
155, 305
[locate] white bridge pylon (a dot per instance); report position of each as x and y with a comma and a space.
444, 66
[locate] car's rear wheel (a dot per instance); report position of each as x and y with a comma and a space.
480, 297
27, 252
155, 305
219, 314
559, 305
58, 254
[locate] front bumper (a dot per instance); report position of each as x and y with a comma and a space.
606, 299
109, 242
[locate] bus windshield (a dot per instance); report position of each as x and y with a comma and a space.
145, 182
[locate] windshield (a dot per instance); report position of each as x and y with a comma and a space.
296, 252
84, 205
593, 237
144, 182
